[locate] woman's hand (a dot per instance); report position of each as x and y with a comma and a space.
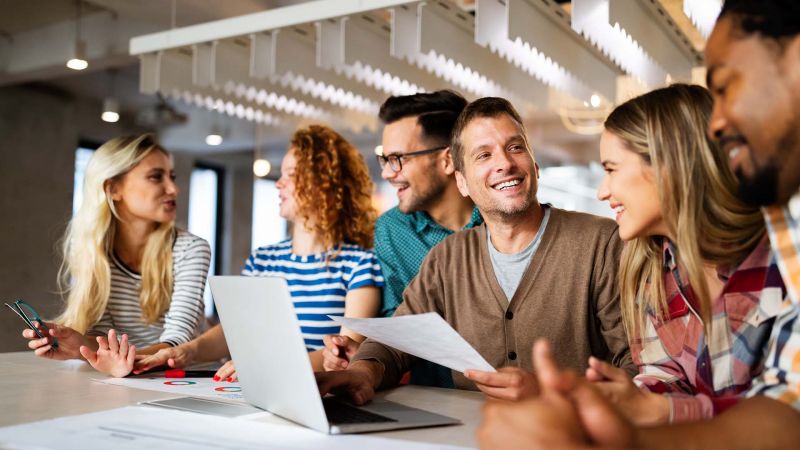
69, 341
113, 357
227, 373
640, 406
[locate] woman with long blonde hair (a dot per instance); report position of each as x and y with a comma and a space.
131, 278
698, 286
326, 193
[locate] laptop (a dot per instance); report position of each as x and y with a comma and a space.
264, 338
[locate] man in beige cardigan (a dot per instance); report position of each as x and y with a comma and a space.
530, 271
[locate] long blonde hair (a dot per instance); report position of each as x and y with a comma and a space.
697, 191
85, 274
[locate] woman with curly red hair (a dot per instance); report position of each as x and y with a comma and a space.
326, 193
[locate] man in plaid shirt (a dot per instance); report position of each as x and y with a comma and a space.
753, 61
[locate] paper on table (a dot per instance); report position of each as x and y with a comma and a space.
191, 387
426, 336
137, 427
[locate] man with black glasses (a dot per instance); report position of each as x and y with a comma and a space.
415, 158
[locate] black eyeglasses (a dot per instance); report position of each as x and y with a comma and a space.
29, 315
395, 160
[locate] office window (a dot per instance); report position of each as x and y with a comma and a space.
268, 226
82, 156
204, 218
573, 188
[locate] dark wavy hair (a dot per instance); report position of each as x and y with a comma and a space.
332, 183
774, 19
436, 113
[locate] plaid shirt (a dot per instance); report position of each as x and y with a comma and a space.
703, 376
781, 377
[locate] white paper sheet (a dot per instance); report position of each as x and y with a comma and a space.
426, 336
188, 387
138, 427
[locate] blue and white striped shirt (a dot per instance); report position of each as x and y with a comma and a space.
318, 287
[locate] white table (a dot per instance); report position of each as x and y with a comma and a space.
37, 389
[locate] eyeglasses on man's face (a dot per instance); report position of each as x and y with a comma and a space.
395, 160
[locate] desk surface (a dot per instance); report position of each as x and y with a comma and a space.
37, 389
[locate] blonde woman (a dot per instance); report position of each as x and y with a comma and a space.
127, 270
326, 192
699, 288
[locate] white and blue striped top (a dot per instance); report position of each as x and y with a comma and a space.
318, 287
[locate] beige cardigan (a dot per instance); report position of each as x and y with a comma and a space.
569, 295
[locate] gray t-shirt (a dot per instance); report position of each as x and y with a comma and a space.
508, 268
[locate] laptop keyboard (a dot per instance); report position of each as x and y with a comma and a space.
340, 413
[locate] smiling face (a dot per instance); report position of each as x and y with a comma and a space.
147, 192
629, 187
423, 178
499, 172
755, 83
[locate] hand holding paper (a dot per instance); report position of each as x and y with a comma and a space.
425, 336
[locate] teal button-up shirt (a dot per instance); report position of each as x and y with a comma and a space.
401, 243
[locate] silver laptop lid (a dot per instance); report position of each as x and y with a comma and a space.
265, 342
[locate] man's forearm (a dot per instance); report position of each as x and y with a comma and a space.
758, 422
373, 369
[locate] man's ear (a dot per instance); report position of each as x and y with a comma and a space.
447, 160
536, 169
461, 182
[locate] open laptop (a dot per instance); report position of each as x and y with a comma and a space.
265, 341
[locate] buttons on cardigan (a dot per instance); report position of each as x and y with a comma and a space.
512, 355
509, 315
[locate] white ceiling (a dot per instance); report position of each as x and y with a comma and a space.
45, 30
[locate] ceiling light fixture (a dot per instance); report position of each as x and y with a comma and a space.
110, 105
214, 137
78, 60
110, 110
261, 166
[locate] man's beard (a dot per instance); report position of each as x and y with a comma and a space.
761, 189
423, 200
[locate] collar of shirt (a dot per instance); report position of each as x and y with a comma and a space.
423, 220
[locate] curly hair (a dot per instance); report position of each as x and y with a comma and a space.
332, 183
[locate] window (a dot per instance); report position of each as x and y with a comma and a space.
204, 216
82, 156
268, 226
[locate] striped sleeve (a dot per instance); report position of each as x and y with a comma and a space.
249, 269
192, 260
101, 328
366, 272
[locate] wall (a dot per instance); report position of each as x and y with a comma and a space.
39, 142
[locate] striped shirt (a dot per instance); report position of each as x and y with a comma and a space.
702, 375
318, 287
781, 377
181, 322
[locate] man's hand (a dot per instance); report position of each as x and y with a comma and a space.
639, 406
508, 383
568, 413
113, 357
357, 382
69, 341
338, 351
176, 357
